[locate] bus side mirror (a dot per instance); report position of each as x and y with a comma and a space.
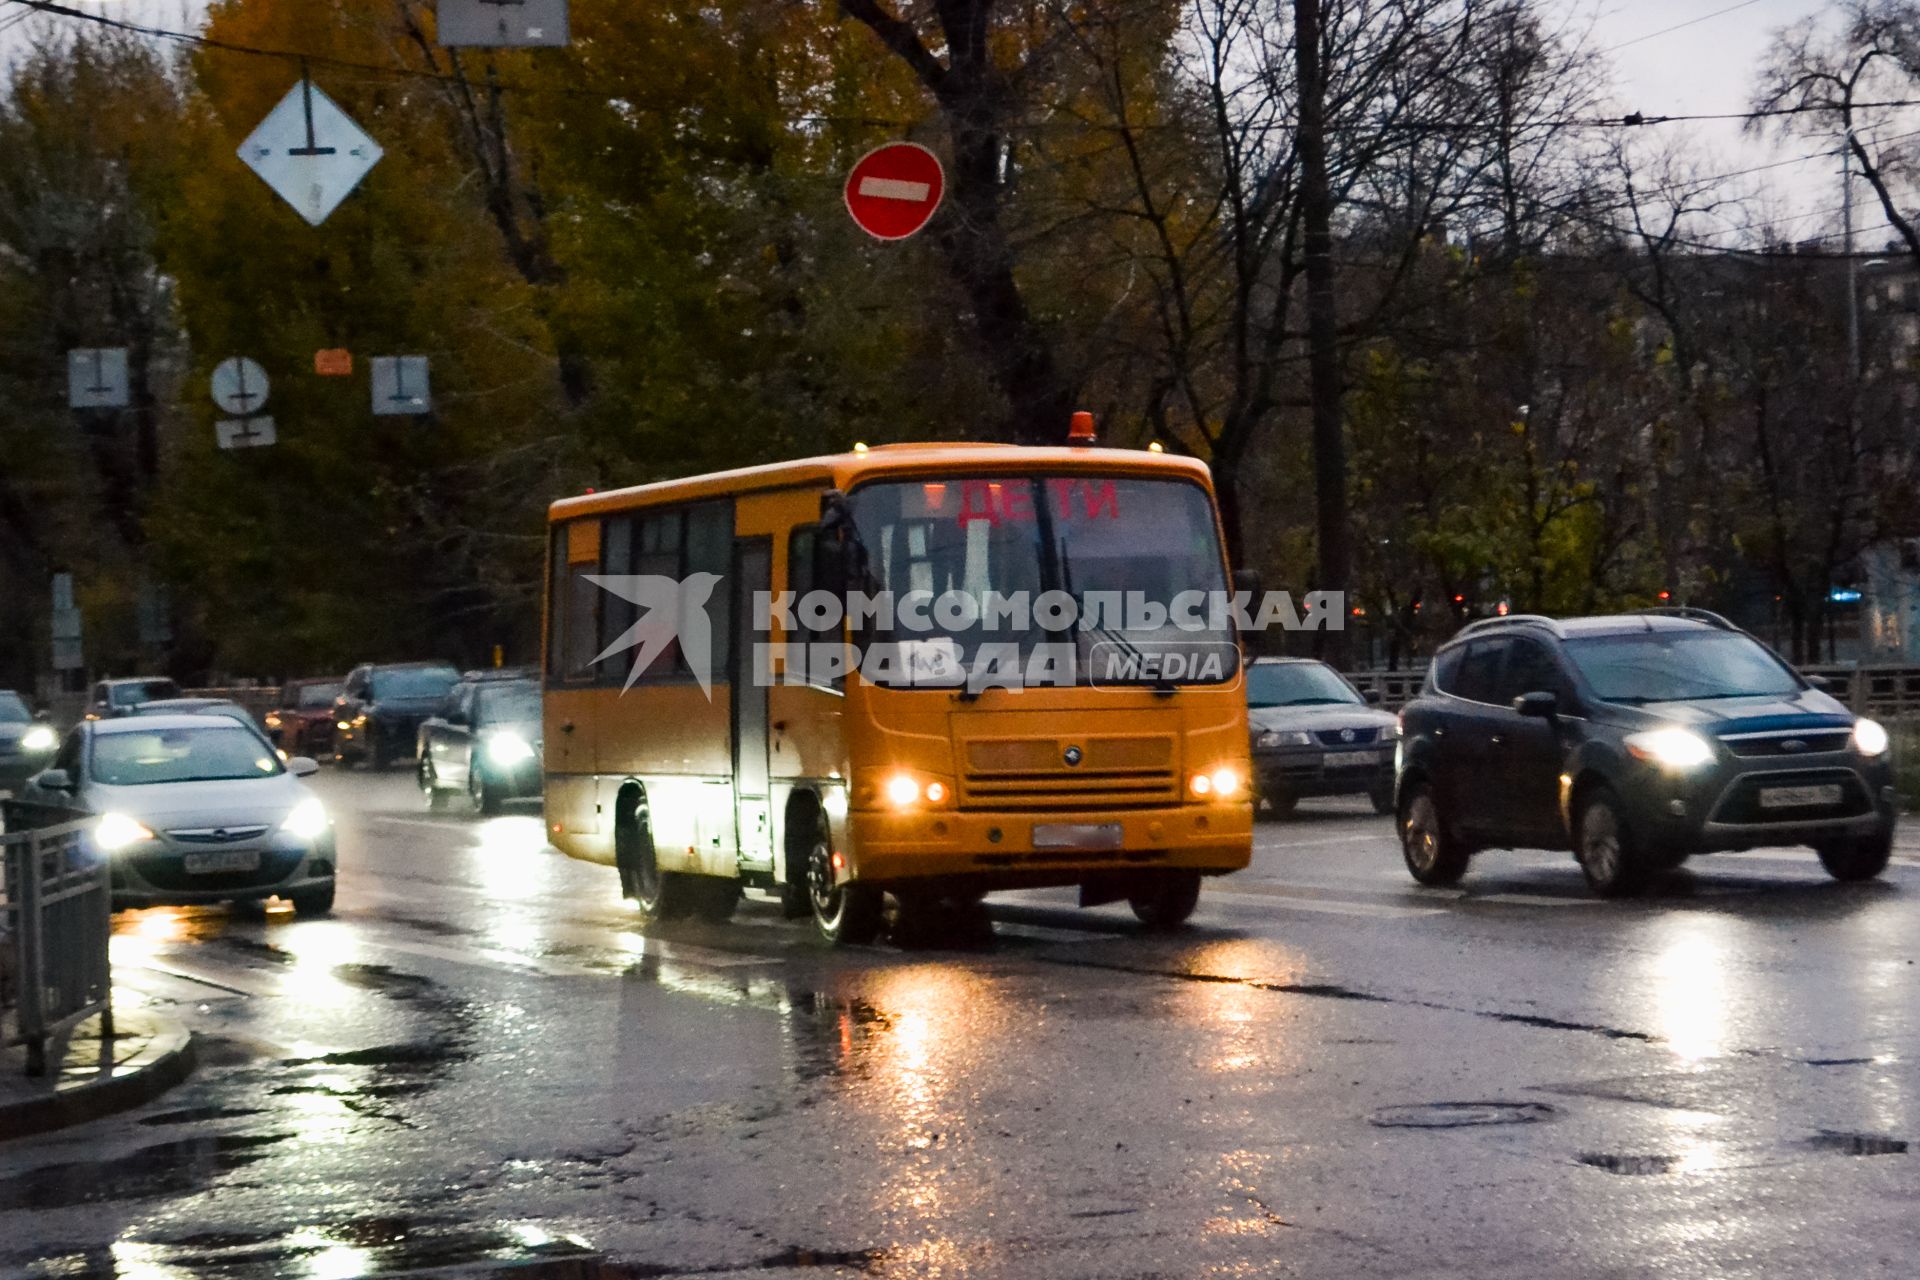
835, 551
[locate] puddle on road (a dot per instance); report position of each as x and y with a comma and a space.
1460, 1115
395, 1246
165, 1169
1631, 1166
1857, 1144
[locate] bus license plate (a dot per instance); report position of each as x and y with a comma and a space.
1352, 759
1078, 835
1799, 797
201, 864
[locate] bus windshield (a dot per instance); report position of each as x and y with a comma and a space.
1122, 551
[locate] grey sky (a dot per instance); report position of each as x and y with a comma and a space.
1704, 67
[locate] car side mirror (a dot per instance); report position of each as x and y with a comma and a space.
42, 714
303, 766
1372, 696
1543, 705
458, 718
54, 780
1822, 683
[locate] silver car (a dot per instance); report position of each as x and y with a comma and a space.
1316, 735
194, 809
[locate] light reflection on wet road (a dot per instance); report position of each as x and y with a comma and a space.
481, 1060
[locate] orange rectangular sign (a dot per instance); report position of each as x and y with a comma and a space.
334, 362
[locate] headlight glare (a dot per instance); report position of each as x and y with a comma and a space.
508, 749
39, 738
902, 791
1225, 783
116, 831
1869, 737
308, 821
1671, 748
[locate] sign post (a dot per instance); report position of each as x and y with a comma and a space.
240, 387
502, 24
97, 378
310, 152
893, 190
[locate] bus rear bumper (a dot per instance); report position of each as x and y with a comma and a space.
1061, 847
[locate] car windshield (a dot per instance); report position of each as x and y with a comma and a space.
131, 695
1123, 550
1296, 684
414, 682
1680, 666
313, 697
510, 704
12, 710
217, 753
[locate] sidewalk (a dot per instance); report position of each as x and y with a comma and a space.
150, 1053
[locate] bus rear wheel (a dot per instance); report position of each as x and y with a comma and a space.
843, 914
1167, 900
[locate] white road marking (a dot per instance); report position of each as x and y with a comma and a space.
895, 189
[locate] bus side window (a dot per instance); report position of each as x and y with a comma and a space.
575, 604
709, 549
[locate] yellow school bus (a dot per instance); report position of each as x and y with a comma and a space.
930, 671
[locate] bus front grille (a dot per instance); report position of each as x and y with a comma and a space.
1069, 773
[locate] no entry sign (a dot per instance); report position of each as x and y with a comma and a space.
894, 189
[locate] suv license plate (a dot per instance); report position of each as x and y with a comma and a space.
1799, 797
1078, 835
201, 864
1351, 759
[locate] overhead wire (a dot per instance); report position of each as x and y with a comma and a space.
1630, 120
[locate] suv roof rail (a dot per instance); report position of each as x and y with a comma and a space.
1509, 620
1688, 611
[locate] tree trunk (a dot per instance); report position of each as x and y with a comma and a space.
1332, 523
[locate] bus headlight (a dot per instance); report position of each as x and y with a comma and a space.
903, 791
1220, 784
308, 821
508, 749
1869, 737
116, 831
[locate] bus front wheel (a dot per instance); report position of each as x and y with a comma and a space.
1167, 900
660, 895
842, 913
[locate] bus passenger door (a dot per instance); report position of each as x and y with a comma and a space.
752, 577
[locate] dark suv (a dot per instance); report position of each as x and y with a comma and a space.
1634, 741
380, 708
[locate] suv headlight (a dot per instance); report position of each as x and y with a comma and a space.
308, 821
116, 831
1670, 748
1283, 738
39, 738
508, 748
1869, 737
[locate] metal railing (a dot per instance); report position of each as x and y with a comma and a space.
55, 920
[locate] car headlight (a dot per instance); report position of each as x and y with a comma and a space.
116, 831
508, 749
308, 821
1670, 748
1390, 732
1283, 738
1869, 737
41, 738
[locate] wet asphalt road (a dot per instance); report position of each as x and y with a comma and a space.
481, 1061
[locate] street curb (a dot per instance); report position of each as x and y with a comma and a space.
165, 1062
